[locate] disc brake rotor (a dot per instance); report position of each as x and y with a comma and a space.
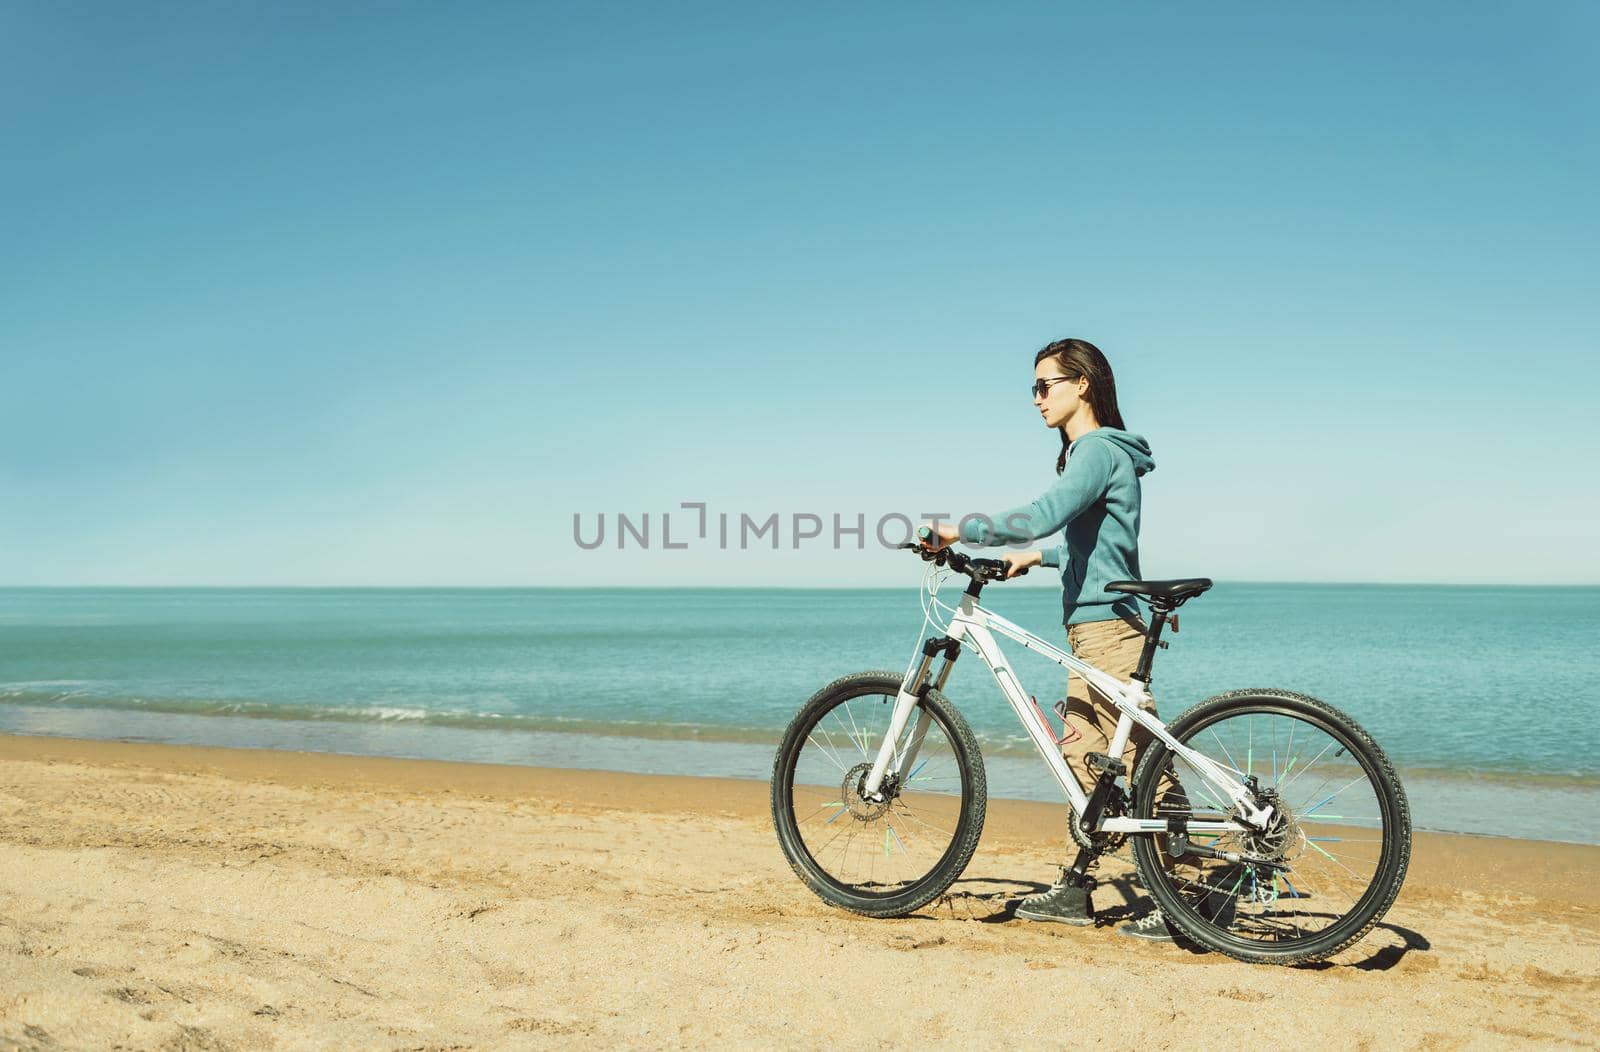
1282, 841
862, 809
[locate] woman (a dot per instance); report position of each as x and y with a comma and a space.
1095, 498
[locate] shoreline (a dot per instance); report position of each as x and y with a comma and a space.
1015, 745
1548, 811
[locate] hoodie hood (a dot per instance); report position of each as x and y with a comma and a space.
1135, 446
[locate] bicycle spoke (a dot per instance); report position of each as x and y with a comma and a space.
925, 824
1306, 767
832, 749
832, 756
856, 734
1225, 752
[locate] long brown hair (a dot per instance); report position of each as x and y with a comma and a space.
1080, 359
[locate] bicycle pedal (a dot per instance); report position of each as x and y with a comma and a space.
1103, 763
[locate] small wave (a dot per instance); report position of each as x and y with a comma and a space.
35, 685
385, 713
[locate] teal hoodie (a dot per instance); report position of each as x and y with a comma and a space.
1097, 499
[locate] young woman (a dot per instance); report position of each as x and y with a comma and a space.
1095, 498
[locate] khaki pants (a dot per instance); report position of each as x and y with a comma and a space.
1113, 647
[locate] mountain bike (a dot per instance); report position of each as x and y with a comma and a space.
1266, 824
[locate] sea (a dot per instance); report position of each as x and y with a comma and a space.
1487, 699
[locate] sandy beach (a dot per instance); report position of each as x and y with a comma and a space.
191, 898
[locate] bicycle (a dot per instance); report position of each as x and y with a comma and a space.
1267, 825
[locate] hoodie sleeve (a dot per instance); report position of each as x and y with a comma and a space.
1085, 481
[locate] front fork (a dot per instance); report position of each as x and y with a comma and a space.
912, 690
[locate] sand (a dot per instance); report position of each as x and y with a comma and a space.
190, 898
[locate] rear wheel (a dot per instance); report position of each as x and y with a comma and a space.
1341, 839
879, 858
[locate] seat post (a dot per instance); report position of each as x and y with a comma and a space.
1152, 640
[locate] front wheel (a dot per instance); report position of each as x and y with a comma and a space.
882, 858
1338, 845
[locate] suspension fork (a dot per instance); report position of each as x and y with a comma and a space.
912, 690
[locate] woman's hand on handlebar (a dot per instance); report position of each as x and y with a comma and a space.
1019, 563
933, 537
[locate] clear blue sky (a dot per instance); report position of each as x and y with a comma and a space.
384, 294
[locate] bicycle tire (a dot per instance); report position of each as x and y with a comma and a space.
969, 827
1395, 838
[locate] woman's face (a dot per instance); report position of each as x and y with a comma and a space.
1062, 399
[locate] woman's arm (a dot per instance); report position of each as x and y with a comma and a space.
1085, 481
1017, 563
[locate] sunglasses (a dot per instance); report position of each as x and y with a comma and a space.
1041, 388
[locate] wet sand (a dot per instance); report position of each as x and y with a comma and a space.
184, 897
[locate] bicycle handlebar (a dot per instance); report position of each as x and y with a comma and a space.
977, 569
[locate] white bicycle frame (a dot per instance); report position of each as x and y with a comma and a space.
973, 623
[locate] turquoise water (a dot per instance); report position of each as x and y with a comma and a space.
1482, 696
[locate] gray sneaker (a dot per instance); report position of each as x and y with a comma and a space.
1062, 903
1152, 927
